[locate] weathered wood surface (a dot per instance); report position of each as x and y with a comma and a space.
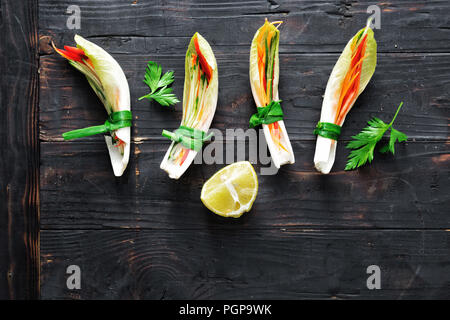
242, 264
421, 81
19, 159
310, 26
405, 191
146, 236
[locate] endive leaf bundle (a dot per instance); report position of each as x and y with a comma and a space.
347, 81
108, 81
200, 95
264, 77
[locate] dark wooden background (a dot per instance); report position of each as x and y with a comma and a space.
146, 236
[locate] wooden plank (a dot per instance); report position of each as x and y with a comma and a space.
310, 26
246, 264
19, 161
410, 190
421, 81
146, 236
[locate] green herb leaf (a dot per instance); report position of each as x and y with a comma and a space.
164, 97
363, 144
158, 85
166, 79
152, 75
395, 136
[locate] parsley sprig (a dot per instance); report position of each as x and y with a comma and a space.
159, 90
364, 142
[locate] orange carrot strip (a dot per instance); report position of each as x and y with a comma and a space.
352, 75
88, 61
274, 130
346, 107
345, 90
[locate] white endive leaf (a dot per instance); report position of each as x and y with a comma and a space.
326, 148
117, 98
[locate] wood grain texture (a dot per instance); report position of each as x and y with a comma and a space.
409, 190
421, 81
308, 235
19, 160
310, 26
246, 264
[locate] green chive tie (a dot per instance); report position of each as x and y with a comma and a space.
116, 120
328, 130
188, 137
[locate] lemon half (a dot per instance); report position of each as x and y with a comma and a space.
232, 190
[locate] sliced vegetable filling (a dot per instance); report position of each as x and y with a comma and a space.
267, 47
195, 106
267, 43
350, 76
351, 83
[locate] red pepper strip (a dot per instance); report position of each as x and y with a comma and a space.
68, 55
79, 52
76, 51
277, 131
119, 143
275, 125
360, 47
74, 54
203, 63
